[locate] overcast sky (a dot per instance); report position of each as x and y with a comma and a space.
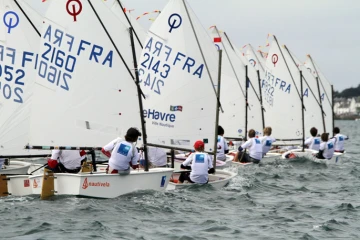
329, 30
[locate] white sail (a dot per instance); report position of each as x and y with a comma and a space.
18, 43
232, 91
255, 58
281, 95
115, 7
255, 117
312, 112
35, 11
85, 94
325, 92
180, 105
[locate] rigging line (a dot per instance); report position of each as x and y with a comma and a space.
256, 57
202, 54
252, 86
32, 24
232, 66
127, 18
317, 74
302, 75
287, 66
239, 59
113, 43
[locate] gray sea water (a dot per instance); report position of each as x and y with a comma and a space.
276, 200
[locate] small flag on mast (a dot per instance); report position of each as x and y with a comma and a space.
217, 39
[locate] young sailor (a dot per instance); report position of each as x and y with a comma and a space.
201, 165
326, 150
66, 161
266, 140
222, 147
339, 140
123, 153
255, 150
314, 141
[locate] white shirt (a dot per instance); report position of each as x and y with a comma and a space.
221, 147
339, 142
200, 164
266, 142
313, 143
122, 154
328, 148
255, 148
157, 156
71, 159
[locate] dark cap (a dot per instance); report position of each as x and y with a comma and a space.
132, 134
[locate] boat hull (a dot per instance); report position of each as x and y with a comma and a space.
180, 158
309, 154
15, 167
96, 185
218, 180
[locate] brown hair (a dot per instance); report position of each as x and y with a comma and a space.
325, 137
267, 131
313, 131
251, 133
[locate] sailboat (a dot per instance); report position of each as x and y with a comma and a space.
304, 89
84, 73
18, 40
178, 71
243, 105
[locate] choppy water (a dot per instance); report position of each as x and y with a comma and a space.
277, 200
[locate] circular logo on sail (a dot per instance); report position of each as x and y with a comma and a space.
252, 62
274, 59
174, 21
72, 11
9, 18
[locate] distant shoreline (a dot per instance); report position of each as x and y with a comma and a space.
352, 117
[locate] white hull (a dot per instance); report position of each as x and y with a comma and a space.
97, 185
15, 167
309, 154
218, 180
240, 164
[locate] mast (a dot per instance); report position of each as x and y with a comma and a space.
297, 90
110, 38
127, 18
317, 74
217, 109
232, 66
261, 100
332, 107
321, 107
246, 100
302, 111
319, 103
143, 126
